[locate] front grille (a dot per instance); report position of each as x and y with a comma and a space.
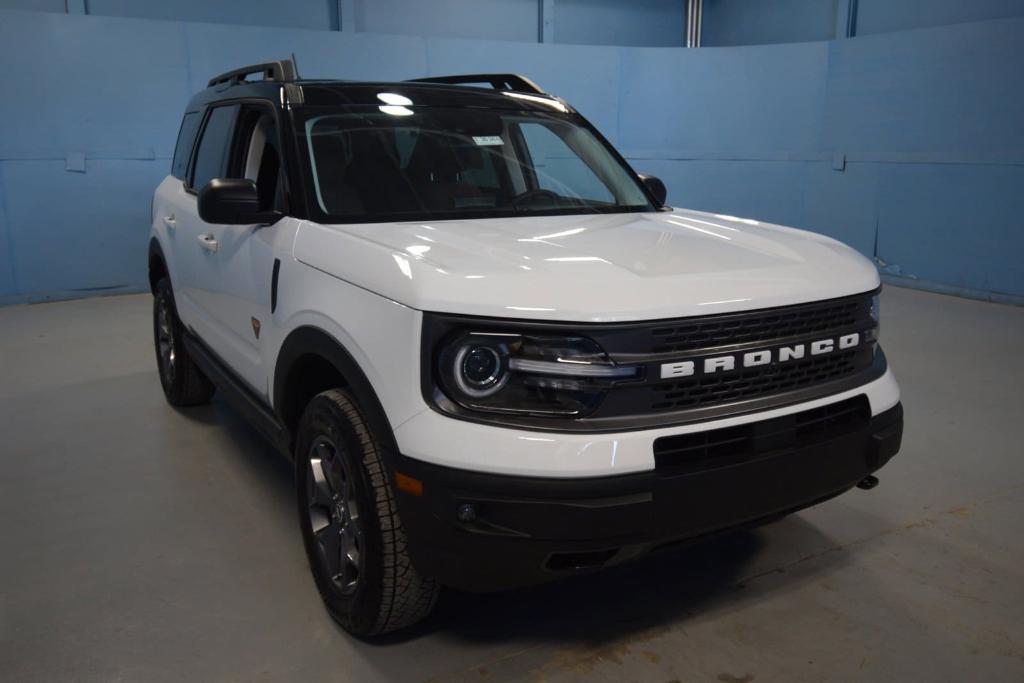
714, 366
760, 381
687, 453
762, 326
704, 395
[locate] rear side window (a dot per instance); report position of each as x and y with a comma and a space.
186, 139
214, 146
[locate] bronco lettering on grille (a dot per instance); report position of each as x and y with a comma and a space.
749, 359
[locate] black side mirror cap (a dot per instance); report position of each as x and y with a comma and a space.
232, 201
655, 187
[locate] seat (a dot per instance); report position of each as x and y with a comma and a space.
263, 162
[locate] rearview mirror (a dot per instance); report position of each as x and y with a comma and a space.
232, 201
655, 187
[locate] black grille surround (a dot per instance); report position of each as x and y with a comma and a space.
779, 323
652, 402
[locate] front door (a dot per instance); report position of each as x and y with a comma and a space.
194, 243
235, 292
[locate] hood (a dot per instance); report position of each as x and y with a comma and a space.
588, 268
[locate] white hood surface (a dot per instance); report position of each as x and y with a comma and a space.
588, 268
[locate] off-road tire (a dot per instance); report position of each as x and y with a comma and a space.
389, 594
184, 384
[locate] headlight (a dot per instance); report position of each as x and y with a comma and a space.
480, 370
541, 375
876, 316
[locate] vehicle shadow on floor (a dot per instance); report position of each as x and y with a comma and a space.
634, 601
590, 610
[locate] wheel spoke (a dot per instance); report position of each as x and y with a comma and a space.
329, 539
320, 493
319, 518
350, 545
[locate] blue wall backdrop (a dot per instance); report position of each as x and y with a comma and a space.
905, 141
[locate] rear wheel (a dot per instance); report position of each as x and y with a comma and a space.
350, 525
184, 384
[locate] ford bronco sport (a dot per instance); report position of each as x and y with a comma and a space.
495, 356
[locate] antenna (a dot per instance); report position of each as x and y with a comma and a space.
295, 65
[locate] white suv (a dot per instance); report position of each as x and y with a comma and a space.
492, 352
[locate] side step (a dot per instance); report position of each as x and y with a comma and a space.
241, 398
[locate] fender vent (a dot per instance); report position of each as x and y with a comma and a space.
273, 284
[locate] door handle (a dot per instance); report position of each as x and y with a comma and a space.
208, 243
170, 222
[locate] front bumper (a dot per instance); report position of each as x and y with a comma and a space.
532, 529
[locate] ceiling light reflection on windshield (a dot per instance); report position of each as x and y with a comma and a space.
394, 98
394, 110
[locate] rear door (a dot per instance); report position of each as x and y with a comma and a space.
172, 201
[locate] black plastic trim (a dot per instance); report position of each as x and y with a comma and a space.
513, 82
274, 276
308, 340
280, 70
242, 398
528, 530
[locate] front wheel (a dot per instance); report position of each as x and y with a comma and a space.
350, 525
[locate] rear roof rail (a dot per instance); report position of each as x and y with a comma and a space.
281, 70
497, 81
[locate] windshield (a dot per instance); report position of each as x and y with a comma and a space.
399, 163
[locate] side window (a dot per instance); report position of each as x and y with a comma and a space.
558, 168
186, 140
214, 146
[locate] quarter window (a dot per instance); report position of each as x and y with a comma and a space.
186, 140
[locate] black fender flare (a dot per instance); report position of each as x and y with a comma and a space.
308, 340
155, 251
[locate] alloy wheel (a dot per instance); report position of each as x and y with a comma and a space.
334, 514
165, 340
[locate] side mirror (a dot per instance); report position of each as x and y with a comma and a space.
232, 201
655, 187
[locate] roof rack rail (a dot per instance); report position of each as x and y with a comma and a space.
497, 81
281, 70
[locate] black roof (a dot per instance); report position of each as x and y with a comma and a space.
493, 91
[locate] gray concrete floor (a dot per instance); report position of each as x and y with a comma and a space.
142, 543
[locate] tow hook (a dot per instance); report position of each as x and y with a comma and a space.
867, 483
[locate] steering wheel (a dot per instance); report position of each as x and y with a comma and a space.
539, 193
